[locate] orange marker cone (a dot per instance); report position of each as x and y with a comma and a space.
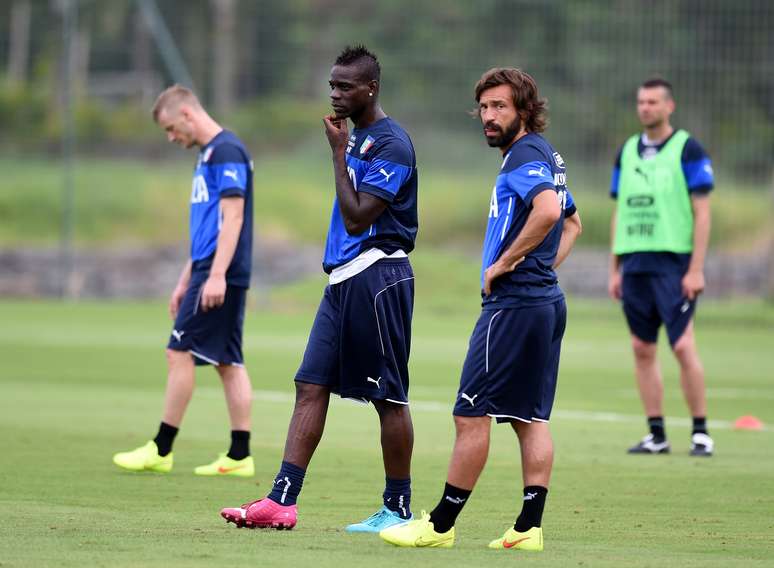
748, 423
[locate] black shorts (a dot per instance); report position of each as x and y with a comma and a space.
512, 364
652, 299
213, 337
360, 340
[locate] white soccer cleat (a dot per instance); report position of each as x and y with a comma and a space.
702, 445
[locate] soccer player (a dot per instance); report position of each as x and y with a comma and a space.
359, 344
208, 303
660, 231
513, 357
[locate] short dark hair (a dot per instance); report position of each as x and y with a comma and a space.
531, 108
654, 82
366, 60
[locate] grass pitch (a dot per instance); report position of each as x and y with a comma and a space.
136, 203
81, 381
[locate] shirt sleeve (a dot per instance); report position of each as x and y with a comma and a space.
697, 168
229, 169
569, 205
529, 179
390, 167
616, 177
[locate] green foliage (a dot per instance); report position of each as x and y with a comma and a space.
715, 51
114, 202
31, 122
276, 123
98, 127
23, 115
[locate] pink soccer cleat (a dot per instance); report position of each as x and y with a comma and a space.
262, 514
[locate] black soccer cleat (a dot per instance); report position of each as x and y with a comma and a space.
649, 445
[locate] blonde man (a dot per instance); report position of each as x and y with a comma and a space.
208, 303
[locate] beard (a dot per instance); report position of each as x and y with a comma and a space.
505, 136
652, 122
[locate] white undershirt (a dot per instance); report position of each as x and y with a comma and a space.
360, 263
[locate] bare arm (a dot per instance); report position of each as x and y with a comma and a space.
541, 219
180, 289
570, 231
693, 281
214, 291
359, 210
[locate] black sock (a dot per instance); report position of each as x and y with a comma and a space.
164, 438
656, 425
240, 445
531, 508
700, 425
445, 513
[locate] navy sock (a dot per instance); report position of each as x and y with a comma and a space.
397, 496
656, 425
240, 445
165, 438
287, 484
699, 425
449, 507
531, 508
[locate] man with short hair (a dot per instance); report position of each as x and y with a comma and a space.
660, 233
512, 364
359, 344
208, 303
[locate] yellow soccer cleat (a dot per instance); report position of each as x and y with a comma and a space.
224, 465
529, 540
144, 458
418, 533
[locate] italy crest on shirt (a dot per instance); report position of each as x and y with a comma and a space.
366, 145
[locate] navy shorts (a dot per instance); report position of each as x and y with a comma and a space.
360, 340
512, 364
213, 337
652, 299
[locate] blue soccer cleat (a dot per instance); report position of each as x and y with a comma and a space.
382, 519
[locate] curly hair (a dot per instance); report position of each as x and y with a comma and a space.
531, 108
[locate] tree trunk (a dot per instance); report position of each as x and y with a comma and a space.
224, 72
19, 41
142, 58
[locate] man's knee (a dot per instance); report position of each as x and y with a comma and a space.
685, 350
177, 359
643, 350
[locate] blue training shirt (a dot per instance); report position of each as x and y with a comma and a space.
223, 169
381, 162
699, 177
530, 166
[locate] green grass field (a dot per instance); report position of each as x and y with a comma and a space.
130, 202
83, 380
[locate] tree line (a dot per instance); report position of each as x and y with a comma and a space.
588, 57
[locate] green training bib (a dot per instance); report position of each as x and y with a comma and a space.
654, 211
